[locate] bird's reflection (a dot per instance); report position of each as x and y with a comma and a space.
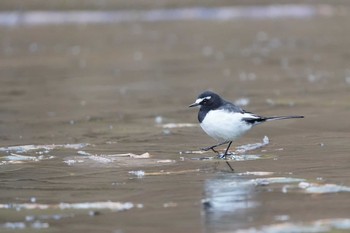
228, 203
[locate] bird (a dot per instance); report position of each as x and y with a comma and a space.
226, 122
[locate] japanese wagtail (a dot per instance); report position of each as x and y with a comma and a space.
226, 122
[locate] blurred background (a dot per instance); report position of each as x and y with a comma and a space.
116, 77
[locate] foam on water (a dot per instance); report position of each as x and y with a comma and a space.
323, 225
33, 153
276, 180
326, 188
35, 221
34, 18
178, 125
308, 187
102, 158
114, 206
139, 174
255, 173
17, 157
253, 146
46, 148
13, 225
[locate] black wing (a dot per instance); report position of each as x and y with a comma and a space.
253, 119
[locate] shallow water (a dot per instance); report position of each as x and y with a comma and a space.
96, 134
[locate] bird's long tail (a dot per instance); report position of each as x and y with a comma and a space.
255, 120
281, 117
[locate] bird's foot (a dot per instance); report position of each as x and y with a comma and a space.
223, 155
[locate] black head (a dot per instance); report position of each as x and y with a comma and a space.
208, 100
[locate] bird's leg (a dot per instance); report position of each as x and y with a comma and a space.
226, 153
223, 156
212, 147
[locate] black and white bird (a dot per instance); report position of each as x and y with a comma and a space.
226, 122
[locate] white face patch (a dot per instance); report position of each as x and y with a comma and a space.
199, 100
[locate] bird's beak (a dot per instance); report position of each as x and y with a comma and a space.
193, 105
197, 103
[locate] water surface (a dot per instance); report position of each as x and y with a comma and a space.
94, 125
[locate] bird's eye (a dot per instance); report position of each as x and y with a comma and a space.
205, 101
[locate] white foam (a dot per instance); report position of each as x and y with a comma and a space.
115, 206
27, 148
323, 188
70, 162
139, 174
178, 125
323, 225
254, 146
17, 157
255, 173
276, 180
13, 225
35, 18
40, 225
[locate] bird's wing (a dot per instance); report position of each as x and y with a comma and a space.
247, 117
228, 106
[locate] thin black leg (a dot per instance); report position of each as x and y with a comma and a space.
224, 156
228, 147
212, 147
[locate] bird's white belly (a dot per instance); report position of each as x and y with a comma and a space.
224, 126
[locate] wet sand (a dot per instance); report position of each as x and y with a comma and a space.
110, 88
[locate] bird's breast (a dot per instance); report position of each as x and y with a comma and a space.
224, 125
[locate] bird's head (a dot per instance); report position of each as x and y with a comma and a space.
208, 99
